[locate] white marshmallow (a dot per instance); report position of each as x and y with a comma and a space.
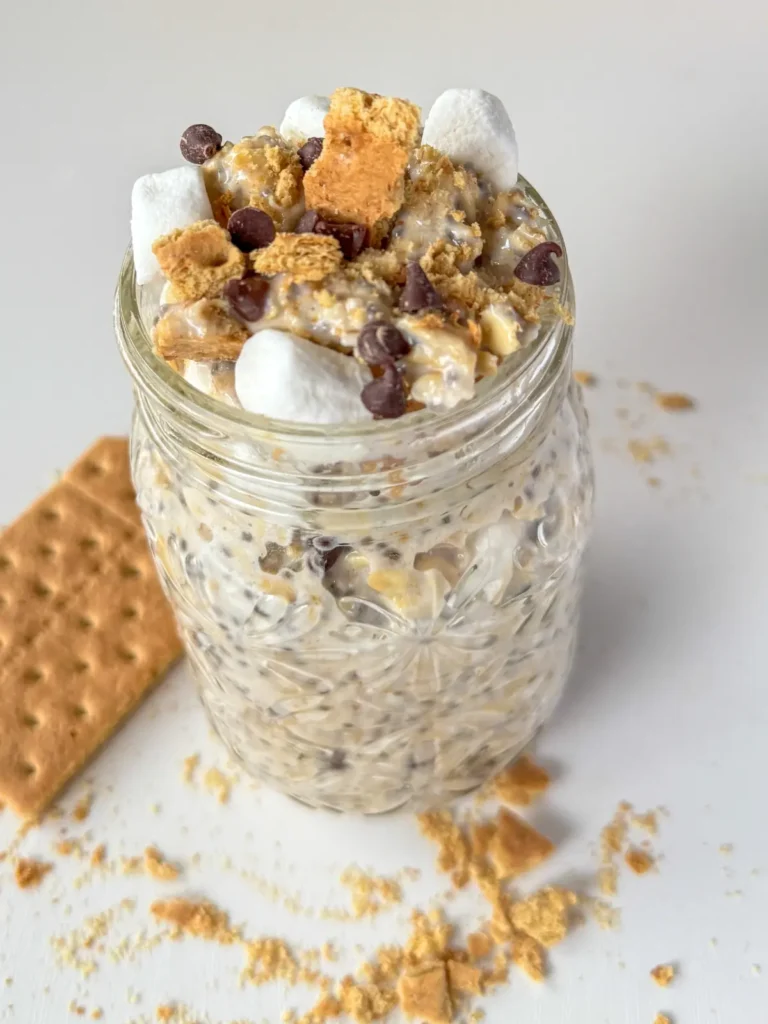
280, 375
304, 118
472, 127
161, 203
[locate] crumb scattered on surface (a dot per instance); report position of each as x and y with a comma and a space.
726, 848
648, 451
83, 807
199, 919
521, 783
158, 867
516, 847
99, 856
639, 861
219, 784
663, 974
29, 872
189, 767
544, 915
674, 401
585, 378
661, 1018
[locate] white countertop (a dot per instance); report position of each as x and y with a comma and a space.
646, 134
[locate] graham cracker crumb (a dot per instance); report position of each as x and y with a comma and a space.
189, 767
198, 260
158, 867
516, 847
585, 378
83, 808
359, 176
647, 451
607, 879
663, 974
370, 895
479, 945
453, 856
165, 1013
424, 994
464, 978
521, 783
647, 821
218, 783
608, 917
304, 257
639, 861
29, 872
544, 915
725, 848
528, 955
200, 919
661, 1018
674, 401
99, 856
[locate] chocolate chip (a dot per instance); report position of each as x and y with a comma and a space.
380, 343
310, 151
251, 229
384, 396
418, 293
199, 143
247, 296
307, 221
352, 238
537, 266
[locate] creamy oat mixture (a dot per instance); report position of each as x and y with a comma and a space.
355, 658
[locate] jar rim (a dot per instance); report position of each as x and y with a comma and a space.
152, 373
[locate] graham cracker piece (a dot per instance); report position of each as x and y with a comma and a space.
202, 919
359, 176
305, 257
663, 974
104, 474
544, 915
516, 847
639, 861
521, 783
674, 401
198, 260
29, 873
47, 555
424, 994
200, 331
64, 695
529, 956
464, 978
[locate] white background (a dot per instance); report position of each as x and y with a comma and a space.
644, 126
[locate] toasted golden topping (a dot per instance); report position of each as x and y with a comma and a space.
359, 176
529, 956
202, 330
304, 257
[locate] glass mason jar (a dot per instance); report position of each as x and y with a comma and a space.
379, 615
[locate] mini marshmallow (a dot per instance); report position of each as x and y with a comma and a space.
160, 203
280, 375
472, 127
304, 119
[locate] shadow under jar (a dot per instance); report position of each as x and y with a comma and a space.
379, 616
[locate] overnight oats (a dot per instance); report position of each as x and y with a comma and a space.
361, 459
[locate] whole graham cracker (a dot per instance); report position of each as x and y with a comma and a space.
76, 660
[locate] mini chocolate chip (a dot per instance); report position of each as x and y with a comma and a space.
310, 151
307, 222
384, 396
537, 266
251, 229
247, 296
199, 143
379, 343
419, 292
352, 238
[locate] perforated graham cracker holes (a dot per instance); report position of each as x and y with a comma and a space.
77, 586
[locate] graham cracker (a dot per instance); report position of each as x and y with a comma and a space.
305, 257
198, 260
104, 473
360, 174
86, 630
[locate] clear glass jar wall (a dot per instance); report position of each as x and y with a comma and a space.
379, 616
